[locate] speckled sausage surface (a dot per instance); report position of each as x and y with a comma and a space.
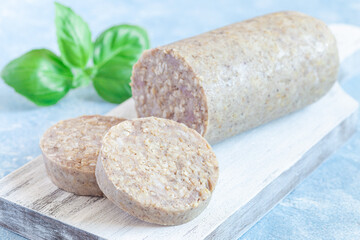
70, 150
158, 170
240, 76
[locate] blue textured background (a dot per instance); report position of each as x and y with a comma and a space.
325, 206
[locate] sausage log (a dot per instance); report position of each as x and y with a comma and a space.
237, 77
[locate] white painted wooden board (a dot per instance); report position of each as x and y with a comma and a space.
257, 169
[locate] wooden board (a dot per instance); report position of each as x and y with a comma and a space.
257, 169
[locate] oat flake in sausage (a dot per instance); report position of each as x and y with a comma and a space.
158, 170
239, 76
70, 150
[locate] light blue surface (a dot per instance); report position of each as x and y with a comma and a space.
325, 206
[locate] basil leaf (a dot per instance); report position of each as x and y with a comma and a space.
73, 36
81, 78
123, 42
115, 52
111, 81
39, 75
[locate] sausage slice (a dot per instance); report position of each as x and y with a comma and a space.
158, 170
70, 150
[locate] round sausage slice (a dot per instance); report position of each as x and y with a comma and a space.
70, 150
237, 77
158, 170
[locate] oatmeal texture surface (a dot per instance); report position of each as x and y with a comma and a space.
158, 170
240, 76
70, 151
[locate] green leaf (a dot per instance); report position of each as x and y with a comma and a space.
115, 52
39, 75
112, 80
124, 42
81, 78
73, 36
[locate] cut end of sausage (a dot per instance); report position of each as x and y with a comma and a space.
158, 170
164, 85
